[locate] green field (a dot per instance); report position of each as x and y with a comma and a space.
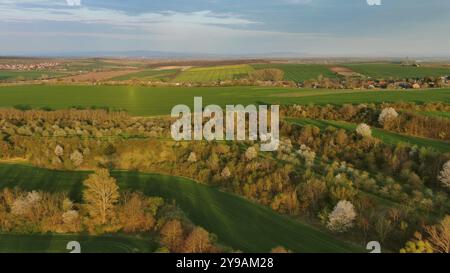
148, 75
398, 71
6, 75
300, 72
385, 136
148, 101
437, 114
214, 73
238, 223
89, 244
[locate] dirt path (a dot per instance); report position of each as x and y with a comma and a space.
345, 71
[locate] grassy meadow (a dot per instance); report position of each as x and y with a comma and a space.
147, 101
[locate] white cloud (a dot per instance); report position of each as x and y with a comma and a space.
73, 2
46, 10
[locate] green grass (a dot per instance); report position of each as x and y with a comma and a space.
238, 223
398, 71
300, 72
437, 114
148, 101
148, 75
6, 75
213, 74
12, 243
385, 136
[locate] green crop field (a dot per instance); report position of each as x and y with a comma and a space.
148, 75
398, 71
214, 73
147, 101
300, 72
238, 223
385, 136
50, 243
437, 114
6, 75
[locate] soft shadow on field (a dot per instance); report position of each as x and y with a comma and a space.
57, 243
237, 222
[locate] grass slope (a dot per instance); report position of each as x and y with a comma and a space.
10, 243
238, 223
300, 72
385, 136
437, 114
147, 101
398, 71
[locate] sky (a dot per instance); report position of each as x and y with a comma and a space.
315, 28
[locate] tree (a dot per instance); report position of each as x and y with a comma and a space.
270, 74
312, 194
364, 130
417, 245
135, 214
444, 175
387, 115
59, 151
280, 250
101, 193
307, 154
383, 227
251, 153
439, 235
192, 157
77, 158
342, 218
198, 241
172, 235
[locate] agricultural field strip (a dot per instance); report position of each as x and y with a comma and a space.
398, 71
148, 101
211, 74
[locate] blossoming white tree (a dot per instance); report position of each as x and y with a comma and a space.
388, 114
444, 175
343, 217
364, 130
251, 153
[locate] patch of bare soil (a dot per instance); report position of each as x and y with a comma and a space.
173, 67
344, 71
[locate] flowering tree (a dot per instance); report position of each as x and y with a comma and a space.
387, 115
343, 217
444, 175
364, 130
251, 153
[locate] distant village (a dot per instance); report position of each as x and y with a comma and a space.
29, 67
